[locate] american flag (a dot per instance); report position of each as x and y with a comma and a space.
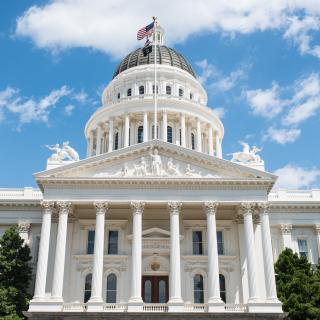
145, 31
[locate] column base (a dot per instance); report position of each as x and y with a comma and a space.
175, 305
95, 305
37, 305
216, 305
135, 304
265, 307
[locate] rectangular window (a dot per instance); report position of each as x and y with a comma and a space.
303, 248
220, 242
36, 248
90, 243
113, 242
197, 242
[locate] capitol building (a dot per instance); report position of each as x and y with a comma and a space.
155, 221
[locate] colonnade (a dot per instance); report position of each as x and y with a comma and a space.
205, 138
135, 302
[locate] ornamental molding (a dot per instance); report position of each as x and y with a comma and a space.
137, 207
174, 207
101, 207
247, 208
211, 207
286, 228
317, 229
23, 226
47, 205
64, 207
264, 207
118, 262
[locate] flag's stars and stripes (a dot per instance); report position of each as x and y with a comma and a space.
145, 31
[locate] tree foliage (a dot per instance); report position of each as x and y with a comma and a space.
15, 275
298, 286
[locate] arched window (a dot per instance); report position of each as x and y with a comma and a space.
153, 89
147, 291
180, 139
222, 282
141, 90
116, 141
180, 92
169, 134
129, 92
191, 96
118, 95
198, 289
87, 287
111, 288
140, 134
193, 144
168, 90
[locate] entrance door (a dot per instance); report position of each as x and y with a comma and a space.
155, 289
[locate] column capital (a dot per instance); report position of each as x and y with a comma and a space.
211, 207
247, 207
174, 207
47, 206
137, 207
101, 207
264, 207
23, 226
64, 207
286, 228
317, 229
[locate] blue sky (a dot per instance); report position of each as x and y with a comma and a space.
259, 62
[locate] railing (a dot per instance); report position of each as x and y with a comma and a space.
230, 307
155, 307
115, 307
74, 307
195, 307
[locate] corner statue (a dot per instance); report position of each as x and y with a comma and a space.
66, 153
247, 155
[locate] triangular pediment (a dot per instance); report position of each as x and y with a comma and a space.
154, 160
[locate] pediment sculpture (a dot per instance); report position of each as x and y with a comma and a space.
65, 153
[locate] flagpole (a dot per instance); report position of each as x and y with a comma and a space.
155, 80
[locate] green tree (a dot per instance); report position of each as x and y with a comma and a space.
15, 275
298, 286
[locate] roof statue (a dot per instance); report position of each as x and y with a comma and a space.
247, 155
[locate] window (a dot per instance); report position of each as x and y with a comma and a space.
153, 89
198, 288
222, 282
153, 132
118, 95
180, 137
36, 246
141, 90
147, 291
113, 242
140, 134
169, 134
168, 90
197, 242
303, 248
90, 243
220, 242
116, 141
180, 92
129, 92
191, 96
193, 145
111, 288
87, 287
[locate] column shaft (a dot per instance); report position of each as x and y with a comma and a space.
210, 141
126, 130
317, 231
99, 138
42, 266
164, 126
250, 251
110, 147
218, 145
58, 271
90, 154
145, 127
199, 140
183, 130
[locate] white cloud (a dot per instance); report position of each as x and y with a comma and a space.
265, 103
208, 70
282, 136
227, 83
111, 26
220, 112
69, 109
81, 97
295, 177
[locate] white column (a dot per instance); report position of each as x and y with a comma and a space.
145, 127
110, 148
218, 145
215, 304
135, 301
58, 271
199, 140
90, 144
286, 235
175, 299
99, 138
317, 231
126, 130
247, 208
210, 141
183, 129
96, 300
42, 265
164, 125
270, 279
